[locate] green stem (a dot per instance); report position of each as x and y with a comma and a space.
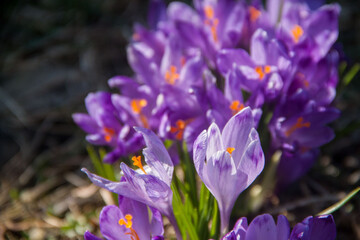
339, 204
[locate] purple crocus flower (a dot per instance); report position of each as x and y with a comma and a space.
262, 73
229, 162
129, 220
152, 185
215, 24
263, 228
107, 126
309, 33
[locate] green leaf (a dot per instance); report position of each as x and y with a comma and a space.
351, 74
215, 225
95, 161
339, 204
182, 218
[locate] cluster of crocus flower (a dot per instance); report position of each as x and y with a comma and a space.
225, 66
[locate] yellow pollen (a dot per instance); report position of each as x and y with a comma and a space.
254, 13
171, 75
297, 32
236, 106
137, 162
179, 129
230, 150
137, 105
259, 71
109, 134
299, 124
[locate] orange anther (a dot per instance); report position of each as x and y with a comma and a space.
137, 105
230, 150
267, 69
211, 21
254, 13
179, 129
209, 12
299, 124
109, 134
259, 71
136, 37
236, 106
297, 32
137, 162
182, 61
171, 75
128, 224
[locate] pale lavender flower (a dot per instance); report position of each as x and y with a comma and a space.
229, 162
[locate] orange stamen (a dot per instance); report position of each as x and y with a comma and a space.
137, 162
137, 105
182, 61
230, 150
236, 106
109, 134
171, 75
211, 21
179, 129
209, 12
267, 69
254, 13
259, 71
297, 32
136, 37
302, 79
128, 224
299, 124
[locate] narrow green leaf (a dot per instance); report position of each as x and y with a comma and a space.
181, 216
215, 225
339, 204
342, 68
351, 74
95, 160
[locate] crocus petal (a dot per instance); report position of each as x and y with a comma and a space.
199, 154
236, 132
89, 236
214, 141
109, 223
262, 227
226, 183
315, 228
252, 161
156, 156
282, 228
85, 122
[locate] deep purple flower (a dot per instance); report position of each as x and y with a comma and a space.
215, 25
262, 73
151, 185
229, 162
129, 220
108, 126
298, 128
263, 228
309, 33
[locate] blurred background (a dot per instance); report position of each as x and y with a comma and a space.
53, 53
